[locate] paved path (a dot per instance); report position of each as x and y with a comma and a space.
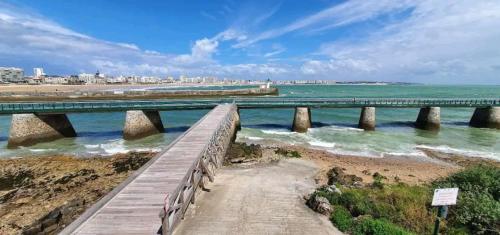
260, 200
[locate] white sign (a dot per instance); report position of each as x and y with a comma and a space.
445, 196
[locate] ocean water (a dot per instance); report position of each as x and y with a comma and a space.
333, 129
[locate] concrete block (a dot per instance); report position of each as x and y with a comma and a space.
139, 124
367, 119
429, 118
30, 129
302, 119
488, 117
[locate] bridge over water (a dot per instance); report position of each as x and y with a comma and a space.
259, 103
154, 199
35, 122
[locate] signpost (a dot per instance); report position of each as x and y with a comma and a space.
443, 197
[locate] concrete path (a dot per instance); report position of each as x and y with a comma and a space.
259, 200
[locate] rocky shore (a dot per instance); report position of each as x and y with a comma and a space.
41, 195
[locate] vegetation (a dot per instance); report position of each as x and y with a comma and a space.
342, 218
406, 209
478, 204
288, 153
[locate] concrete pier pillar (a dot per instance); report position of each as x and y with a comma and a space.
139, 123
302, 119
367, 119
488, 117
429, 118
30, 129
238, 120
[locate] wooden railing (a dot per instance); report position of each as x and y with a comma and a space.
202, 171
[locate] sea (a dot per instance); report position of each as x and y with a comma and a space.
334, 130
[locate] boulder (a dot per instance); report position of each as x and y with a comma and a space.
320, 205
337, 175
333, 189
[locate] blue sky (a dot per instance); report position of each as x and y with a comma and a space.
449, 42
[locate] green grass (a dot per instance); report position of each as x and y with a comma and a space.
405, 209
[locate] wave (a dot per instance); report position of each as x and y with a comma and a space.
322, 144
40, 150
254, 138
278, 132
450, 150
91, 146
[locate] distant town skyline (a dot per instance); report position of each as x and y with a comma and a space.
423, 41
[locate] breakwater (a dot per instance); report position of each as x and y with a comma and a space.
131, 94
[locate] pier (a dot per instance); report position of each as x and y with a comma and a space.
36, 122
154, 199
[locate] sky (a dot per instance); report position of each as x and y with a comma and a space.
423, 41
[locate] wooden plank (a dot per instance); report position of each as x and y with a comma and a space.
134, 207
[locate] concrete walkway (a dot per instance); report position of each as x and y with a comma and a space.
259, 200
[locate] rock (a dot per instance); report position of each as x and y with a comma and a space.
358, 184
8, 195
132, 161
332, 188
237, 160
51, 229
69, 176
320, 205
241, 152
366, 172
32, 230
14, 178
337, 175
49, 222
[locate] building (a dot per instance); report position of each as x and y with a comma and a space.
87, 78
11, 74
55, 79
38, 73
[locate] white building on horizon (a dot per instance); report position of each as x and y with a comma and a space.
11, 74
38, 73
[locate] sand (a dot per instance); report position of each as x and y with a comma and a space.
91, 87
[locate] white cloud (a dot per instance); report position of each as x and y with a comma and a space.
435, 41
315, 67
335, 16
35, 40
440, 42
277, 49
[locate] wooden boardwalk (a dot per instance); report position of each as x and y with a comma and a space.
134, 206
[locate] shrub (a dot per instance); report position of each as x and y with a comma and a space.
332, 197
478, 206
341, 218
371, 226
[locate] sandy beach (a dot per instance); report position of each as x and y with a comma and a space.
91, 87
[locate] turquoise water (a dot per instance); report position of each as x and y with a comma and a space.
334, 129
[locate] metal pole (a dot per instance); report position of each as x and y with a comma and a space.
442, 213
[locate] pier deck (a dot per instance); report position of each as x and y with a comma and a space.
243, 103
135, 205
